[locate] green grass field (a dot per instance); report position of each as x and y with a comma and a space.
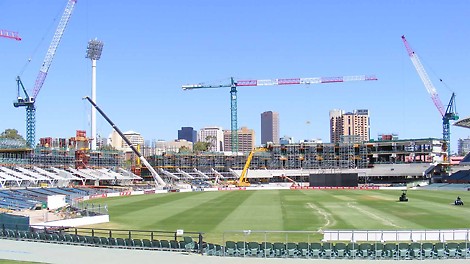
217, 213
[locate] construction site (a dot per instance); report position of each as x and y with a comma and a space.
385, 158
382, 158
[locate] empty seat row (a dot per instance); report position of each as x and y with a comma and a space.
187, 244
341, 250
324, 250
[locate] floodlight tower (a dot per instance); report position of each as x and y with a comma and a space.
93, 52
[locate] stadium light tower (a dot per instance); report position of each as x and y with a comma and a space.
93, 52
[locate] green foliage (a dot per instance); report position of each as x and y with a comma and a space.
12, 134
184, 149
107, 147
201, 146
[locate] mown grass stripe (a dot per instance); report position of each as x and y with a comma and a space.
206, 214
217, 212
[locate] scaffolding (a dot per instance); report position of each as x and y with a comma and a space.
319, 156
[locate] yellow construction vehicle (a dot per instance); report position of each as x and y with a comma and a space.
243, 181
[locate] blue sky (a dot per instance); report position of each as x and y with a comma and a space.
153, 47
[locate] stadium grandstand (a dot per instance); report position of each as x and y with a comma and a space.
464, 122
36, 198
33, 177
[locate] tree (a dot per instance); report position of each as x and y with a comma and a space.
107, 148
184, 149
12, 134
211, 140
201, 146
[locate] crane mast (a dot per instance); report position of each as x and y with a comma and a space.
158, 180
29, 100
269, 82
450, 113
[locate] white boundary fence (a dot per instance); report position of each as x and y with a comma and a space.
397, 235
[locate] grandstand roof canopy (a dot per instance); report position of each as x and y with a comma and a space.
463, 122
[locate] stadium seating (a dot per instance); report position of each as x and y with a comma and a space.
315, 250
427, 250
352, 250
165, 244
156, 244
254, 249
378, 250
439, 250
291, 249
340, 250
174, 245
266, 249
104, 241
231, 248
365, 250
120, 242
146, 243
464, 250
452, 249
403, 250
415, 250
303, 249
279, 249
241, 248
327, 250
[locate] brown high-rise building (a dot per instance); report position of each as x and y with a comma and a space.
269, 127
246, 139
349, 126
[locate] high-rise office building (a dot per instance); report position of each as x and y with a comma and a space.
246, 139
214, 136
463, 146
187, 133
350, 126
269, 127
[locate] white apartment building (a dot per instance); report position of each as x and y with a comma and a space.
213, 135
134, 137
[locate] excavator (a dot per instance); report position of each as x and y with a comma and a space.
243, 180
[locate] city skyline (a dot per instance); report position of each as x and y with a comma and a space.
222, 139
147, 58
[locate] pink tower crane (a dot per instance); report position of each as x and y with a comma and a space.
9, 34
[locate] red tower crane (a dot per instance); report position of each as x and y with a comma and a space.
289, 81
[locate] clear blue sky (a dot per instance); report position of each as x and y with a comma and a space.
154, 47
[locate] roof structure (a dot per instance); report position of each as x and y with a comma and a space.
463, 122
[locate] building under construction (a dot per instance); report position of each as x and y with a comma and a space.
379, 159
74, 152
313, 156
57, 152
